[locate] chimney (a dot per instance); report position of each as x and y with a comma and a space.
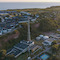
29, 37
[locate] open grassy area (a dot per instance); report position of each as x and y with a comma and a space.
38, 42
22, 57
39, 51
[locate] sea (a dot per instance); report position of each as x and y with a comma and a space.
25, 5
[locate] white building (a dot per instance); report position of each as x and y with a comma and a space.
0, 32
41, 36
6, 18
3, 13
37, 16
30, 43
38, 38
33, 19
4, 30
9, 30
23, 12
46, 43
45, 37
2, 20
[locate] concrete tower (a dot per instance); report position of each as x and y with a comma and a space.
29, 37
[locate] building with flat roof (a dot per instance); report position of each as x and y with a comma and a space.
20, 48
46, 43
34, 47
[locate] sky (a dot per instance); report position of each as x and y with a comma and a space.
29, 0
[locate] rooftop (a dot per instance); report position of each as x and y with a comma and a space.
15, 51
26, 42
21, 45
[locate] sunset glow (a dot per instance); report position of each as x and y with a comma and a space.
29, 0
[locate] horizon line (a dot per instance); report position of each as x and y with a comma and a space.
31, 2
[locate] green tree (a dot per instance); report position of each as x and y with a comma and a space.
10, 57
53, 58
3, 56
54, 42
0, 19
48, 24
55, 48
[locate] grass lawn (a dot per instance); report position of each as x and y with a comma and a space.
22, 57
39, 51
38, 42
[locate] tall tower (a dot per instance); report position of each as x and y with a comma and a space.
29, 37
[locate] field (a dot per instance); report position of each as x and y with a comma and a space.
38, 42
22, 57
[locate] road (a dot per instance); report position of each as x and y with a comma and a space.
40, 53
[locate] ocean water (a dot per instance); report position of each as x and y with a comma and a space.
24, 5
